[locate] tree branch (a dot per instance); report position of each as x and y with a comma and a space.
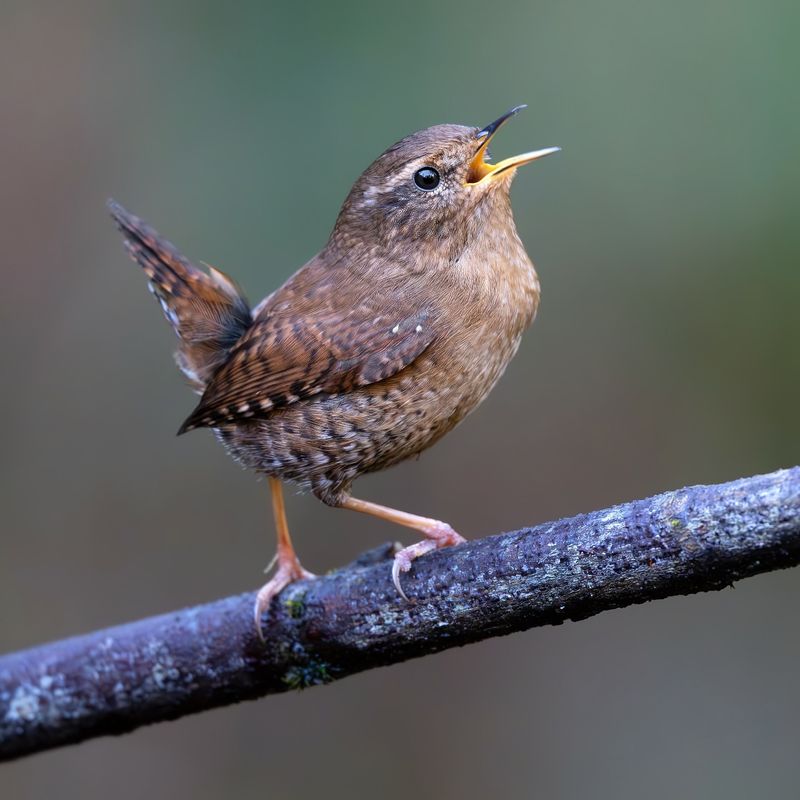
112, 681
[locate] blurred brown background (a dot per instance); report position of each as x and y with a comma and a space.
666, 352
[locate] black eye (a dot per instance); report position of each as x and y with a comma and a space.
426, 178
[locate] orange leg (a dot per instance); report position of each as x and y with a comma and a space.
289, 567
438, 534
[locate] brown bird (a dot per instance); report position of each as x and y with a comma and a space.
377, 347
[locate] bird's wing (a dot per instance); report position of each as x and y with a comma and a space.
296, 350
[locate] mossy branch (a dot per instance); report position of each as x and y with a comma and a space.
112, 681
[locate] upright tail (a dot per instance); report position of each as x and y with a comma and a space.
206, 310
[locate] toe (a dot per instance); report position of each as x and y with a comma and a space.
398, 567
304, 574
286, 574
263, 600
403, 559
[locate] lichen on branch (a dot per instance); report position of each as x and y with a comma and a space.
112, 681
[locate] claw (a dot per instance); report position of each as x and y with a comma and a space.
272, 562
403, 559
396, 569
442, 535
286, 574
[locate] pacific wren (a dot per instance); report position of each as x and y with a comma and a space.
377, 347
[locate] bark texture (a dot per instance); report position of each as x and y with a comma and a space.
112, 681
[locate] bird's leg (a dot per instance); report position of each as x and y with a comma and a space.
289, 567
438, 534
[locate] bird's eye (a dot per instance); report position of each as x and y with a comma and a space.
426, 178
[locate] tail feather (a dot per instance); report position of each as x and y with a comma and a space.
206, 310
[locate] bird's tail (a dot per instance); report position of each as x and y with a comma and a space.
206, 310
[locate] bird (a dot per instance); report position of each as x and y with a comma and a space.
374, 349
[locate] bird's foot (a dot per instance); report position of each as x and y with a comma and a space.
289, 570
439, 534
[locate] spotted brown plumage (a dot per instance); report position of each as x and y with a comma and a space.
281, 360
206, 310
373, 350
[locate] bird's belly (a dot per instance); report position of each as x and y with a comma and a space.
325, 442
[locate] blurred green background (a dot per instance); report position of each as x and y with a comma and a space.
666, 352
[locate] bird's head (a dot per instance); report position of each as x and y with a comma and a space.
437, 185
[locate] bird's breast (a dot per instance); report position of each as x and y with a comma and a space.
496, 298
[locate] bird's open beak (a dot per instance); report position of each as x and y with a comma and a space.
480, 169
